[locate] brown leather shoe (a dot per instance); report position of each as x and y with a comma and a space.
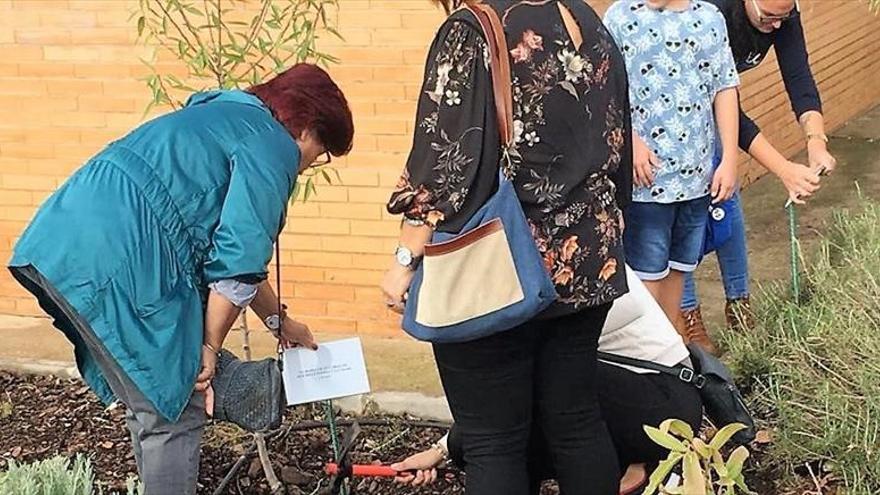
693, 330
739, 314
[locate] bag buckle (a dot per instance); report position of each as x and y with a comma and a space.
686, 375
699, 381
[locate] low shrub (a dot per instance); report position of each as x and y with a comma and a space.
812, 370
55, 476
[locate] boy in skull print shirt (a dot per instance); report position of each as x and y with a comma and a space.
683, 99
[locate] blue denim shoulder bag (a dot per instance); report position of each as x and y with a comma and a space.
488, 277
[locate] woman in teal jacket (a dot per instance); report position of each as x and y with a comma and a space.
146, 255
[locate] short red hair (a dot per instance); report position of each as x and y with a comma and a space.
305, 97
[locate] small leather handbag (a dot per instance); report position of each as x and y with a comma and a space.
488, 277
249, 394
721, 398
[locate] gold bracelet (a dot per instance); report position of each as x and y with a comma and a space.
819, 135
210, 348
444, 454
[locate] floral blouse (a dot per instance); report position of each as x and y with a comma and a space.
572, 156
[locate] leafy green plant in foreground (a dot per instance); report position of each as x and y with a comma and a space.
703, 467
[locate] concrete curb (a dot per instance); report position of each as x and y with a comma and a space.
63, 369
394, 403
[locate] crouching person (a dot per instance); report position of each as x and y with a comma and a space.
629, 396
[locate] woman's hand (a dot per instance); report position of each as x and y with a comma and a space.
420, 467
819, 157
644, 163
800, 181
294, 333
395, 285
724, 181
209, 367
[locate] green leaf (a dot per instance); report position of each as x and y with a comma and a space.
694, 479
662, 472
326, 176
664, 439
718, 463
297, 189
677, 427
142, 23
701, 448
307, 189
725, 434
736, 461
740, 482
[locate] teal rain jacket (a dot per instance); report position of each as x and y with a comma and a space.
134, 237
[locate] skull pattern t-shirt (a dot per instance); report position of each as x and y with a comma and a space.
677, 61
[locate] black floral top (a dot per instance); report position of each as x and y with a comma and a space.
572, 159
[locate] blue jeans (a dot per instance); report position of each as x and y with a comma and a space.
664, 236
732, 259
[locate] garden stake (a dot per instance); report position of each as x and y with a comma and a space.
795, 253
339, 457
343, 457
795, 245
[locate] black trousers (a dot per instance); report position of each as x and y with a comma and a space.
628, 401
540, 376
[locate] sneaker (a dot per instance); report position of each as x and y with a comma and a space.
739, 315
692, 329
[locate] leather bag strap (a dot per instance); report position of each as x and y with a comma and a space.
499, 63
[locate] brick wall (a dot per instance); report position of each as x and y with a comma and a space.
69, 74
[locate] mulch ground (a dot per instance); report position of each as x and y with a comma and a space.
43, 416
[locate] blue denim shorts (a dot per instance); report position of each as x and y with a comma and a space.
660, 237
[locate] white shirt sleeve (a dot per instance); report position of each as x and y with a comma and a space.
238, 293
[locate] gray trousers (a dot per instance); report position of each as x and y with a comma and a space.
167, 453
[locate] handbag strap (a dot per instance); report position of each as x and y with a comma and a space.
682, 372
279, 348
499, 63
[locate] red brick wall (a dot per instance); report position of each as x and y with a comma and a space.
69, 82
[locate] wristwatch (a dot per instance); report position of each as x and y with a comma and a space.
273, 321
414, 222
405, 257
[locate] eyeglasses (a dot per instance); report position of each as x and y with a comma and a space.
324, 159
772, 19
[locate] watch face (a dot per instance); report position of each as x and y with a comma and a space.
404, 256
273, 322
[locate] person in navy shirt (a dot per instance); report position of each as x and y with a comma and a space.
754, 26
